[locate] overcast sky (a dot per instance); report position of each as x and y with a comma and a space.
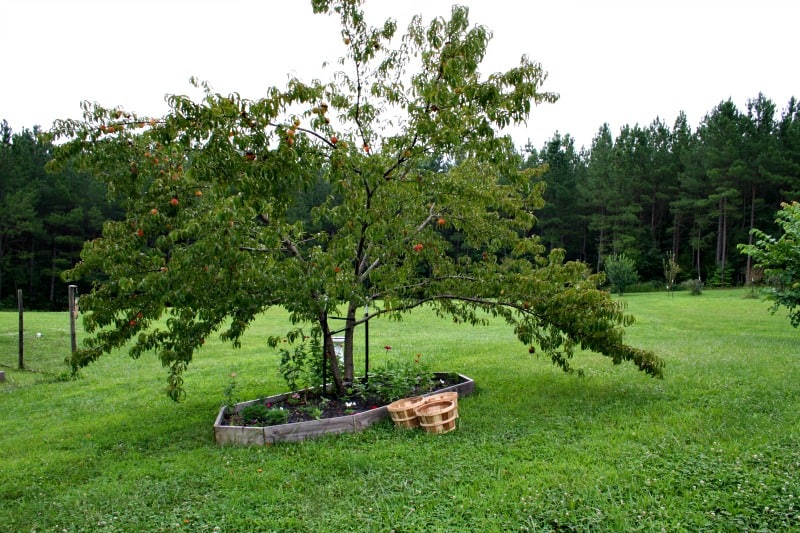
615, 61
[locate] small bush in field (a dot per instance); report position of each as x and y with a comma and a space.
695, 286
621, 272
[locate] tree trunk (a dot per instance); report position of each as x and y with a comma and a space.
724, 242
330, 354
676, 235
1, 267
749, 267
53, 274
349, 371
719, 230
600, 250
653, 214
697, 251
583, 245
32, 266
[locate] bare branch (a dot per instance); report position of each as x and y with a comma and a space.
292, 248
431, 216
363, 275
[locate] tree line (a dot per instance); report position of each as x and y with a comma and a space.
656, 190
44, 220
650, 192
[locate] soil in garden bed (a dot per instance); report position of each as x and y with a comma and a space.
313, 405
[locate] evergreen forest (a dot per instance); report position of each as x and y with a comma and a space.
44, 220
648, 192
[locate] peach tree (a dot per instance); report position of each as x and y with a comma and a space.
209, 242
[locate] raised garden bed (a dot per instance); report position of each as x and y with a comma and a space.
224, 433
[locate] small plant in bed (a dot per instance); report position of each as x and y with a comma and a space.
395, 379
262, 415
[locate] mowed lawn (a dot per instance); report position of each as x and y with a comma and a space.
713, 446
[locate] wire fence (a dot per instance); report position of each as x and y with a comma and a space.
38, 342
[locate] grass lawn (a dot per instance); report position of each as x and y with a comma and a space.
714, 446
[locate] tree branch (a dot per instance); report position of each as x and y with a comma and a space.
431, 216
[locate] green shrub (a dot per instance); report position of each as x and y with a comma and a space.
229, 397
259, 413
671, 271
301, 367
779, 258
621, 272
397, 378
695, 286
720, 277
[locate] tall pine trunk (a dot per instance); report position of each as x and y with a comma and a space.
722, 238
53, 274
749, 266
676, 235
697, 251
600, 250
2, 251
721, 210
32, 266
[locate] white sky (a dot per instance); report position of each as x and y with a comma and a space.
616, 61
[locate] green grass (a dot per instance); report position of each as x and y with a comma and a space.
714, 446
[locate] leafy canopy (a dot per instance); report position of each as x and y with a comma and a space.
404, 139
780, 259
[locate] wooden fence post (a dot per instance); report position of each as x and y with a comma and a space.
73, 313
21, 331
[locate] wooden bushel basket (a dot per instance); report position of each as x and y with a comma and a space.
451, 396
438, 416
402, 412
